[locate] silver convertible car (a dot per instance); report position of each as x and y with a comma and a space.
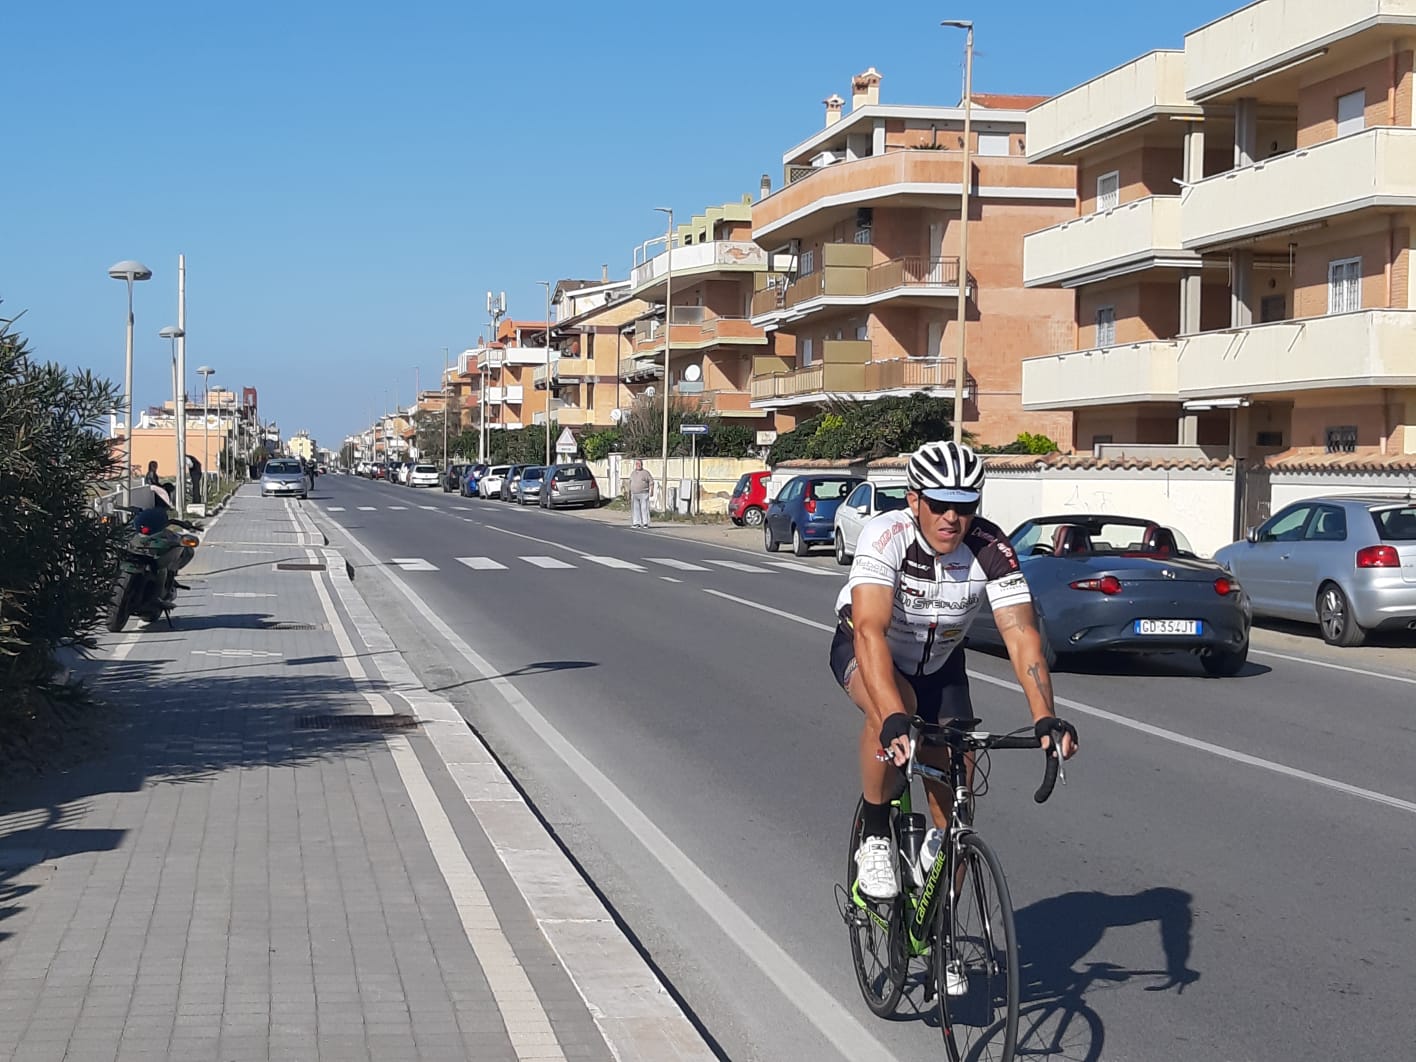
1348, 563
1116, 582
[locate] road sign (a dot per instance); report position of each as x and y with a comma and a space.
565, 444
693, 429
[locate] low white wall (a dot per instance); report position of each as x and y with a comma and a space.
1289, 487
719, 475
1199, 503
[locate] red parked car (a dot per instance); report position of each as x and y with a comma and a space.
749, 500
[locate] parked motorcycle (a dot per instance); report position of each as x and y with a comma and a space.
151, 555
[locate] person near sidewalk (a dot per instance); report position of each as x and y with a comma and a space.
641, 484
194, 475
152, 479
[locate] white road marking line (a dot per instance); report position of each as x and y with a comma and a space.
739, 566
399, 508
615, 562
242, 593
430, 508
793, 566
547, 562
678, 565
368, 508
1334, 667
414, 564
481, 564
823, 1010
1145, 728
234, 652
334, 508
670, 579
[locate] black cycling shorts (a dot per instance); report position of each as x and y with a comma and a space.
942, 694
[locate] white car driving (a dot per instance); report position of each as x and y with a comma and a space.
490, 485
863, 504
423, 476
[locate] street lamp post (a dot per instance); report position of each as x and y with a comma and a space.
206, 373
960, 366
173, 333
446, 463
129, 271
547, 285
668, 342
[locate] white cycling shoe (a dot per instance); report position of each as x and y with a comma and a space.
875, 869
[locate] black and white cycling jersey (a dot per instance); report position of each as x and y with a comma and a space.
937, 595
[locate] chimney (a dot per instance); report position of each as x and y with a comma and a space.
834, 104
765, 188
865, 89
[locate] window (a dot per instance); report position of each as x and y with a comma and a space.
1269, 438
889, 499
1351, 113
1287, 526
860, 496
1108, 191
1396, 525
1345, 285
994, 144
806, 351
1329, 525
1273, 308
862, 331
1106, 326
1341, 439
806, 265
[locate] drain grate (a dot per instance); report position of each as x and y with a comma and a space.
281, 625
299, 566
356, 722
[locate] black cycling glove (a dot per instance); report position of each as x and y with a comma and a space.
895, 726
1051, 726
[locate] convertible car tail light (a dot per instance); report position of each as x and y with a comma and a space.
1378, 557
1107, 584
1223, 587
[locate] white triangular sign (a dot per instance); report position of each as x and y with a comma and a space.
566, 441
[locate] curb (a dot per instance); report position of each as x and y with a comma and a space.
633, 1009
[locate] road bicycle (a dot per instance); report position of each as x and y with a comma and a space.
957, 918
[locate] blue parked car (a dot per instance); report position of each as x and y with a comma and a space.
804, 511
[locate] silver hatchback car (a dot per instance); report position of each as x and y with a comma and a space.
1347, 563
284, 478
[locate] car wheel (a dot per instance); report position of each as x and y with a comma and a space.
842, 558
800, 546
1225, 663
769, 543
737, 521
1335, 618
753, 517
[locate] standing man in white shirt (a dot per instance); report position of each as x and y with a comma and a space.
641, 485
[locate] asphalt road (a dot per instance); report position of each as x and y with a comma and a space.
1227, 874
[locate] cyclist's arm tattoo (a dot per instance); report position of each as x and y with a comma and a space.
1017, 626
1041, 679
1015, 618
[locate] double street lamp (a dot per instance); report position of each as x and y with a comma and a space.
129, 271
964, 184
179, 413
206, 373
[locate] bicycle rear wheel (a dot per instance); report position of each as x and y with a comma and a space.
982, 1023
878, 951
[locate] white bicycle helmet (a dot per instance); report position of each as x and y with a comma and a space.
946, 471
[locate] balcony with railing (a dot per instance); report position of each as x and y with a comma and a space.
856, 379
1372, 171
849, 276
636, 370
694, 328
1119, 375
1135, 235
490, 358
697, 259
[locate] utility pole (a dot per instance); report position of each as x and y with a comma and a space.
961, 364
668, 343
446, 463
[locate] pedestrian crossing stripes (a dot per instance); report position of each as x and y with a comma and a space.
677, 565
414, 564
792, 566
739, 566
547, 562
398, 508
368, 508
430, 508
482, 564
615, 562
335, 509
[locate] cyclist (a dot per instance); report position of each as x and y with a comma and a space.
918, 580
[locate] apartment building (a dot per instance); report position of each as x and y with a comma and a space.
864, 239
508, 365
1240, 255
588, 341
707, 331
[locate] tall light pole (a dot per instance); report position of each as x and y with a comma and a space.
960, 367
206, 373
668, 341
496, 310
182, 383
547, 285
446, 463
173, 333
129, 271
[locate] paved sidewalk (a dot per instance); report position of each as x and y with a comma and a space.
276, 861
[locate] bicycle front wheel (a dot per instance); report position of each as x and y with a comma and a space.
877, 931
978, 953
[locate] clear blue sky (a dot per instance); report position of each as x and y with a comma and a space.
347, 180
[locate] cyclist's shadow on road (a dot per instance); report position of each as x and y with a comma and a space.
1056, 935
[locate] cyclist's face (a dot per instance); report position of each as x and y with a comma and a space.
945, 529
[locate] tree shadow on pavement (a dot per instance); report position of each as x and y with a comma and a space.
540, 667
160, 729
1057, 934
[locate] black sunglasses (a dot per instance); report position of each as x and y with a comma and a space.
939, 508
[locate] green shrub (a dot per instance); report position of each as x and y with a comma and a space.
866, 431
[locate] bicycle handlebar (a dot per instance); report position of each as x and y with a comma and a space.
956, 734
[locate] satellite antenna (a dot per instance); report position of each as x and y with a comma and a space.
691, 373
617, 414
649, 391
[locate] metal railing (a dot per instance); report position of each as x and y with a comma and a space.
895, 374
913, 271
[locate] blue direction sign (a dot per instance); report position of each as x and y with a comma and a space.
693, 429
